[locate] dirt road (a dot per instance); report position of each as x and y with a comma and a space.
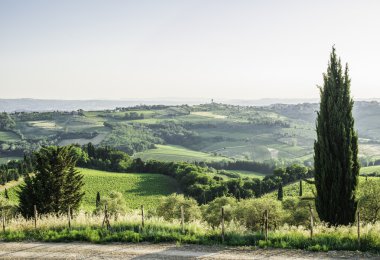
34, 250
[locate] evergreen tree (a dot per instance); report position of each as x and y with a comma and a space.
6, 194
336, 148
301, 191
280, 192
97, 200
56, 184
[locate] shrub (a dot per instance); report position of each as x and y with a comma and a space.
7, 208
115, 204
170, 208
212, 211
369, 201
250, 212
297, 212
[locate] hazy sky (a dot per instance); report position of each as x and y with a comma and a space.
210, 49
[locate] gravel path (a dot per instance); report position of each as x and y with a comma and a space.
34, 250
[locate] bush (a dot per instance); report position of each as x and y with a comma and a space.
7, 208
115, 204
170, 208
250, 212
212, 211
297, 211
369, 201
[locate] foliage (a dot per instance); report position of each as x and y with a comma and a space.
212, 211
6, 122
170, 208
102, 158
97, 201
14, 169
336, 148
243, 165
297, 212
280, 192
56, 184
369, 202
115, 202
130, 139
133, 116
250, 212
175, 133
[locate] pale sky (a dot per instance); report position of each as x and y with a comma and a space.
88, 49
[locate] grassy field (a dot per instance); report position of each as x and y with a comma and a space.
370, 169
137, 188
292, 190
4, 160
8, 136
176, 153
249, 174
96, 140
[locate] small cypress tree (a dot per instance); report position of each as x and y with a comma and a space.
6, 194
280, 192
336, 148
301, 191
97, 203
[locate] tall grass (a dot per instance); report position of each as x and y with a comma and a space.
128, 228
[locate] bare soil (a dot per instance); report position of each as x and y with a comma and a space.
29, 250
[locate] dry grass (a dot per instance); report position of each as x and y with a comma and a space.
127, 228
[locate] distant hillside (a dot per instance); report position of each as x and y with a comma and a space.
43, 105
213, 131
28, 105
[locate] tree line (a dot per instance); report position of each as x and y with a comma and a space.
196, 180
13, 170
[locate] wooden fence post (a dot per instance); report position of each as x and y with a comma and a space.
142, 215
106, 220
358, 218
69, 216
266, 224
222, 224
311, 222
35, 216
182, 219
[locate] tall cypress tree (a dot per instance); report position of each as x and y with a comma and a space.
336, 148
280, 192
97, 200
6, 194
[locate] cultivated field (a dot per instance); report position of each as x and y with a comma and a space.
177, 153
137, 188
276, 133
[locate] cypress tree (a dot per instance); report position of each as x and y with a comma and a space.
97, 203
6, 194
301, 191
280, 192
336, 148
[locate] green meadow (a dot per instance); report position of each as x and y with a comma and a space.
137, 188
177, 153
